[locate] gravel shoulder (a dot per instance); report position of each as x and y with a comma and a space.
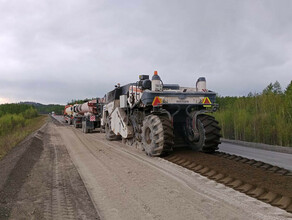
39, 181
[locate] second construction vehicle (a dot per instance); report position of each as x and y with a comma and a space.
159, 117
86, 116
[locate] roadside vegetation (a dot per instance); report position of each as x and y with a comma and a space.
263, 118
78, 101
16, 122
46, 109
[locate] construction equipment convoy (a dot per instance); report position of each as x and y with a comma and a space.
86, 116
155, 116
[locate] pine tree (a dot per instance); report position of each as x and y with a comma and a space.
268, 89
277, 88
288, 90
288, 100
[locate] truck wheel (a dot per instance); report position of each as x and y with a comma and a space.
157, 135
109, 134
209, 134
74, 123
84, 129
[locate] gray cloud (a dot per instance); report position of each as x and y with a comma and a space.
54, 51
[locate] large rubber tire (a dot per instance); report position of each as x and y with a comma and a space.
157, 135
209, 134
109, 134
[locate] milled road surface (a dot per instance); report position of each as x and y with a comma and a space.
126, 184
283, 160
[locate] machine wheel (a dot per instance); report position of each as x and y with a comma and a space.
110, 135
209, 134
76, 125
157, 135
84, 129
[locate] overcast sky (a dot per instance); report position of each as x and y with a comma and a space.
56, 50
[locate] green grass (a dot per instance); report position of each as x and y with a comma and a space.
20, 129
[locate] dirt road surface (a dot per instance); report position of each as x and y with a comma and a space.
39, 181
115, 181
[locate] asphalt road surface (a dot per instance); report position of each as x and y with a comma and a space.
283, 160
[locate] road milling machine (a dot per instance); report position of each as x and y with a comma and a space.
159, 117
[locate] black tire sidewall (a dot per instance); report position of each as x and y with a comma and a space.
148, 147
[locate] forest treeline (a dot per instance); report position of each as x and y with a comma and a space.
262, 117
46, 109
78, 101
14, 116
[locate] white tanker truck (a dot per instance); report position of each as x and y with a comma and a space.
68, 114
86, 116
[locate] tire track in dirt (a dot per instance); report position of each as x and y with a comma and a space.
60, 205
44, 184
67, 197
19, 175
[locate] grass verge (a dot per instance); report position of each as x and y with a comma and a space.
8, 141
